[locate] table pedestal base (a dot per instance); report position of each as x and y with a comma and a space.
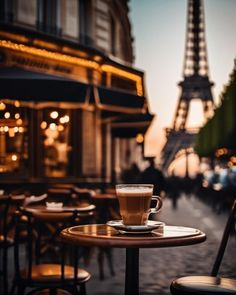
132, 271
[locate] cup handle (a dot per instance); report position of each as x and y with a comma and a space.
158, 205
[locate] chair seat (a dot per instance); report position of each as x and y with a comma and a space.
203, 285
52, 272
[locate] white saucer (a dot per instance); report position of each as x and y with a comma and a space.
135, 229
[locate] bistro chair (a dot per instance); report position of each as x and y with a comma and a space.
106, 210
44, 273
34, 199
5, 240
213, 284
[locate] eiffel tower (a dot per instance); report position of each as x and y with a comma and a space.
195, 85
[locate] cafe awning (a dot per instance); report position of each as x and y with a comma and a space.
113, 100
131, 125
42, 90
23, 85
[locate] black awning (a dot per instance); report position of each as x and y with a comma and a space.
130, 126
25, 85
117, 101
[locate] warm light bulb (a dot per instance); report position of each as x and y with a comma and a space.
60, 128
7, 115
53, 126
14, 157
17, 104
139, 138
43, 125
17, 116
66, 118
2, 106
54, 115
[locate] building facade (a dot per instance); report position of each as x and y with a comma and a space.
72, 106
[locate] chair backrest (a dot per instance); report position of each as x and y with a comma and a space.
32, 224
224, 240
34, 199
4, 206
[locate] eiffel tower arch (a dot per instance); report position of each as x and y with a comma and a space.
194, 86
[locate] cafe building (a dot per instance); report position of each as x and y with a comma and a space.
72, 106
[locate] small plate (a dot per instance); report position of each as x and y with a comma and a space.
86, 208
135, 229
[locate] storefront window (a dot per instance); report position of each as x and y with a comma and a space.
26, 12
13, 137
70, 18
55, 128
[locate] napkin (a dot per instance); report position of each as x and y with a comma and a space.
54, 205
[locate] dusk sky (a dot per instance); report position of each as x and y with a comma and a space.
158, 28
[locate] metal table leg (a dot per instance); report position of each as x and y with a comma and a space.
132, 271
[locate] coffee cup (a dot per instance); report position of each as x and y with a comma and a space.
135, 202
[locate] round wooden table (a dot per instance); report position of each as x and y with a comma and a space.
43, 208
82, 211
106, 236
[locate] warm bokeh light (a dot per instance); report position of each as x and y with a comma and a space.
60, 128
64, 119
11, 132
17, 104
7, 115
14, 157
54, 115
19, 122
2, 106
43, 125
139, 138
53, 126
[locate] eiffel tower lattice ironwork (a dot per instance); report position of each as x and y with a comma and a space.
195, 85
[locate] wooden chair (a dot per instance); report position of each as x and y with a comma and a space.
40, 273
5, 241
213, 284
34, 199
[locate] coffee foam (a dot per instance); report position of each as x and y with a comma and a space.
134, 190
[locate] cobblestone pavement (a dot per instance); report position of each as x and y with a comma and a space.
158, 267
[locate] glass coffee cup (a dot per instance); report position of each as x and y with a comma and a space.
135, 202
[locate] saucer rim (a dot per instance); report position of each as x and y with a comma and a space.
136, 228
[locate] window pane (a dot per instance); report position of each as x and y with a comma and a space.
70, 20
13, 138
55, 128
26, 12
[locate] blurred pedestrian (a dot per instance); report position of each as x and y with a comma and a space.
154, 176
131, 175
